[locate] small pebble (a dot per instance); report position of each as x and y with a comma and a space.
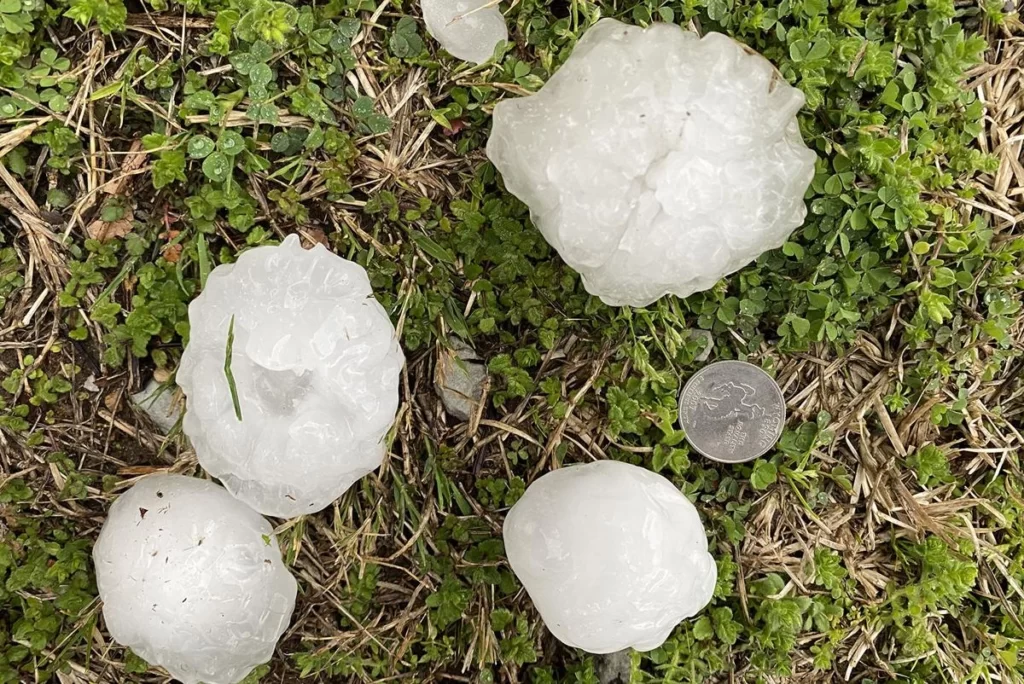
162, 404
459, 380
614, 668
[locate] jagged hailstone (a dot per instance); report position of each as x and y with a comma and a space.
315, 363
656, 162
613, 555
468, 29
192, 579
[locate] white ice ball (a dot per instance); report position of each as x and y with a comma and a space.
656, 162
316, 364
192, 579
613, 555
468, 29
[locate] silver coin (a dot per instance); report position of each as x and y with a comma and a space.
732, 411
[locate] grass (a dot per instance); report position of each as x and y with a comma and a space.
229, 348
142, 144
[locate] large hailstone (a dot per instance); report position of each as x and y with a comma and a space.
192, 579
316, 364
613, 555
468, 29
655, 161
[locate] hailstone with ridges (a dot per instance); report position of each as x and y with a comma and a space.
613, 555
656, 162
192, 579
315, 363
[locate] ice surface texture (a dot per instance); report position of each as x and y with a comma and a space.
465, 28
655, 161
316, 365
192, 579
613, 555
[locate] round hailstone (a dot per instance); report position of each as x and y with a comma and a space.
656, 162
613, 555
192, 580
468, 29
315, 363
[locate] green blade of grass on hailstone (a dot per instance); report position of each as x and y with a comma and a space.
227, 369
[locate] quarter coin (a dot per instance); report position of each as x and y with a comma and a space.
732, 411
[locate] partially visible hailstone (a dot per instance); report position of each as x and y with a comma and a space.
656, 162
192, 579
613, 555
315, 363
468, 29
